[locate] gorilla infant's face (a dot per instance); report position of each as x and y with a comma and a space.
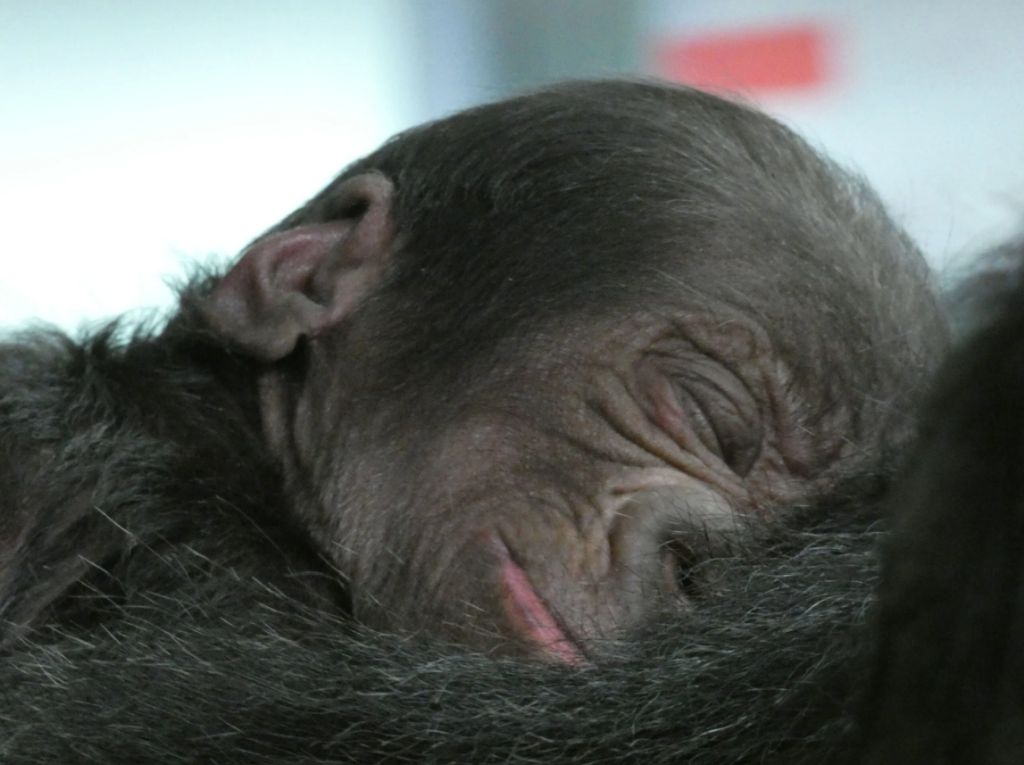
524, 368
549, 491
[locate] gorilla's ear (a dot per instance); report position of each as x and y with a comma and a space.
301, 280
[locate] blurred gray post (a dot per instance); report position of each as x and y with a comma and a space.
480, 50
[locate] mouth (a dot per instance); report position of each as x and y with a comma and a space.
529, 615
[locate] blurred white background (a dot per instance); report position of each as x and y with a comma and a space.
135, 137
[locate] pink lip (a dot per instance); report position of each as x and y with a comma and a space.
528, 614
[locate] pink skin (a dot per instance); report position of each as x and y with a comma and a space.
527, 613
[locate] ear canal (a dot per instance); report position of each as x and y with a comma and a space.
302, 280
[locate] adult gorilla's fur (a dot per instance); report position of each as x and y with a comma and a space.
241, 674
947, 682
187, 634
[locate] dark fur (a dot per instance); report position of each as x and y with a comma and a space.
762, 674
948, 680
159, 602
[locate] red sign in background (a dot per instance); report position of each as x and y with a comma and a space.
794, 57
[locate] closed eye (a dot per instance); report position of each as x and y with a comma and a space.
725, 427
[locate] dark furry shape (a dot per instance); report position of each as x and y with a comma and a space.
762, 674
109, 461
948, 685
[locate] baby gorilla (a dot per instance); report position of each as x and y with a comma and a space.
509, 381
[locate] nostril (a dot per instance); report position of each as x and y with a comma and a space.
680, 561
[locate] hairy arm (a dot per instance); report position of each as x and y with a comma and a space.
49, 530
759, 674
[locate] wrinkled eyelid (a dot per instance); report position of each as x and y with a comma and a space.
700, 420
702, 405
737, 436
